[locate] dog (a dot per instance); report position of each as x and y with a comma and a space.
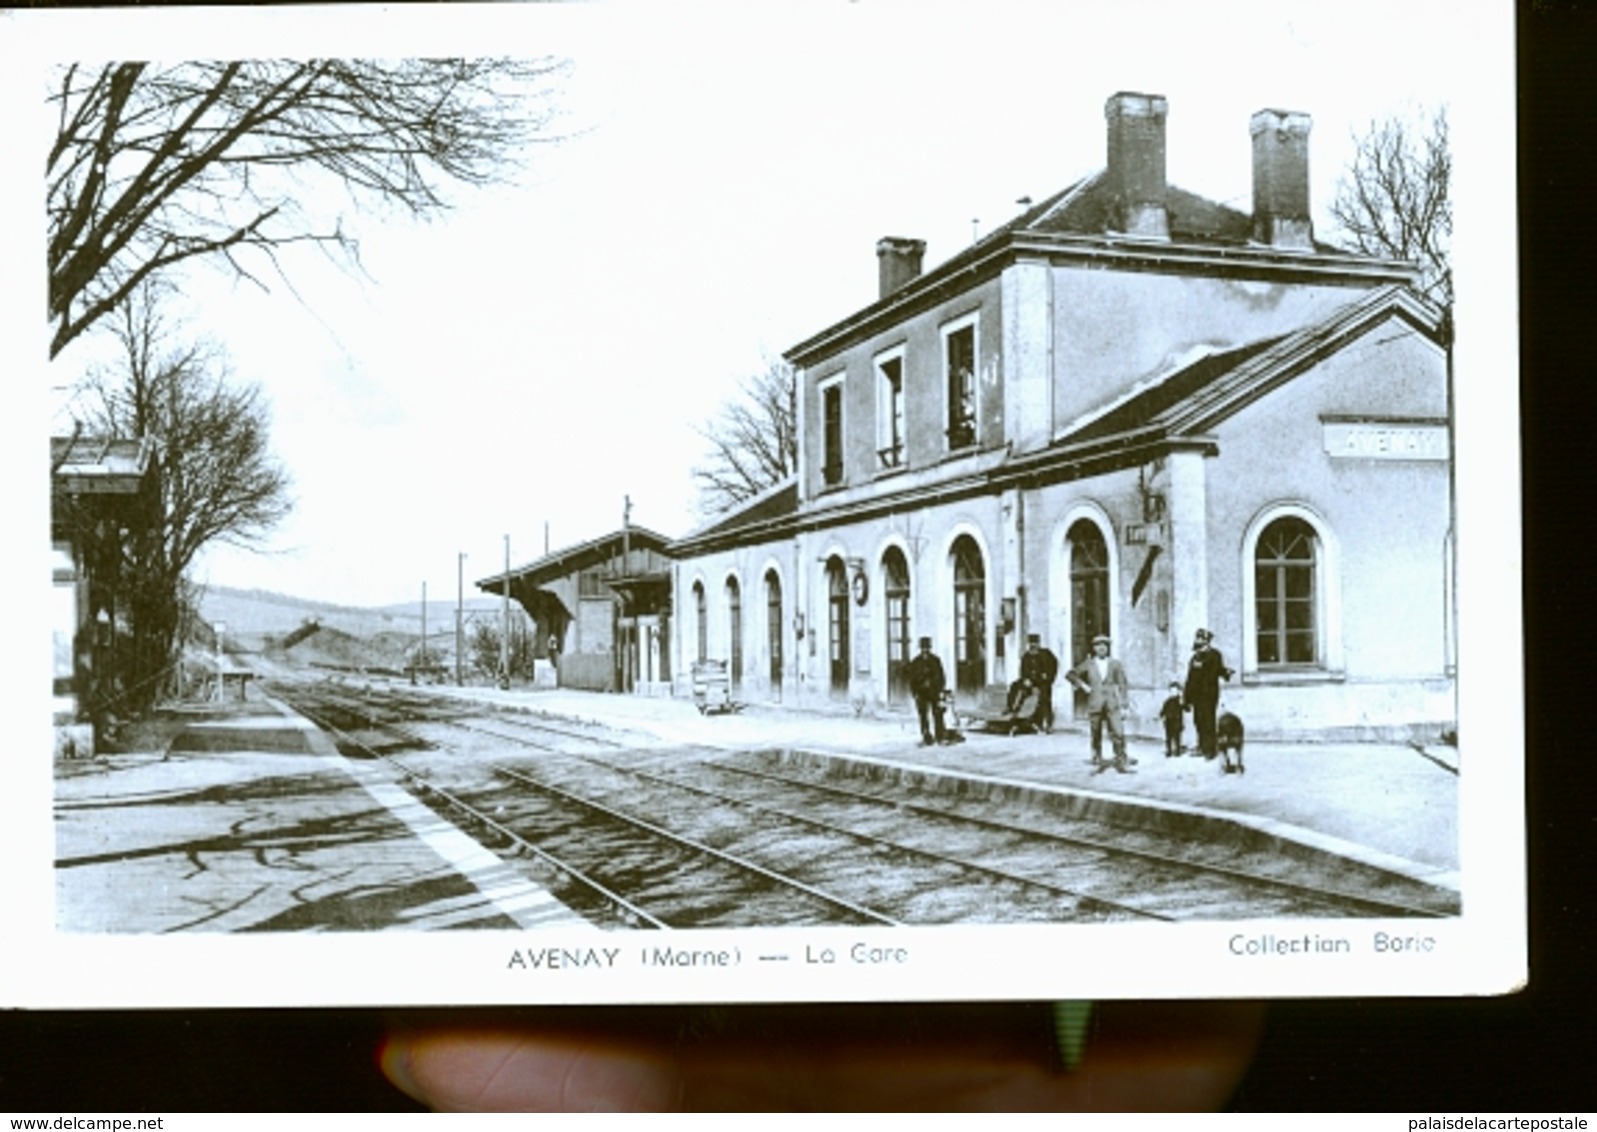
951, 729
1228, 734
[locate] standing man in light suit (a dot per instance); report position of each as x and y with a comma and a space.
1103, 678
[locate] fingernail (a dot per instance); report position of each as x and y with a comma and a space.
393, 1058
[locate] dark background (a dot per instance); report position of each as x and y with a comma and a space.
1531, 1051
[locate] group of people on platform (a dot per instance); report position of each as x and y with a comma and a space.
1102, 678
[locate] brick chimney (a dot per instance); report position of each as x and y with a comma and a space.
897, 261
1135, 178
1281, 179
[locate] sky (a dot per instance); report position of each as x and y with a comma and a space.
522, 365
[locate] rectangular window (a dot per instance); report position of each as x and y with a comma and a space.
832, 432
959, 365
591, 583
890, 409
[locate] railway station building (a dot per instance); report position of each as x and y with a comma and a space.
104, 491
601, 610
1131, 410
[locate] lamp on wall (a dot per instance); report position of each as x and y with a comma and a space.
1154, 505
798, 625
1006, 615
859, 581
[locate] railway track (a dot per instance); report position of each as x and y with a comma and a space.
679, 839
617, 869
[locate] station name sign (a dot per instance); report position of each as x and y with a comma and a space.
1386, 440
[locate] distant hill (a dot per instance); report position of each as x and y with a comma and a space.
262, 611
438, 609
260, 621
334, 648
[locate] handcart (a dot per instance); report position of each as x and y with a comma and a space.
712, 687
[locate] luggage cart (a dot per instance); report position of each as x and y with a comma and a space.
712, 687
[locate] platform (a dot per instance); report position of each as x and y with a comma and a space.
249, 820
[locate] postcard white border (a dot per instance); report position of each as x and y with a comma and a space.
1482, 952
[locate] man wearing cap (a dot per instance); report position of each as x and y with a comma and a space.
1103, 678
1202, 692
1038, 669
927, 683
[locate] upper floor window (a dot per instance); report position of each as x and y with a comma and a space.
959, 367
832, 432
890, 409
591, 583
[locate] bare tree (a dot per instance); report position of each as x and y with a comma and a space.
218, 481
753, 442
154, 165
1394, 201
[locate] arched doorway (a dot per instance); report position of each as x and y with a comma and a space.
701, 624
773, 629
734, 622
970, 616
837, 623
895, 592
1089, 593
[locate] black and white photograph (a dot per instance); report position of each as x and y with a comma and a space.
614, 503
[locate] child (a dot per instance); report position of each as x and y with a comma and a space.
1171, 712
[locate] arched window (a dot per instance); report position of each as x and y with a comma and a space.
701, 647
1089, 587
734, 622
1291, 595
773, 626
837, 623
895, 592
1285, 595
970, 615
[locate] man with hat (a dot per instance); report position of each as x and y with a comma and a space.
1038, 669
927, 684
1202, 692
1103, 678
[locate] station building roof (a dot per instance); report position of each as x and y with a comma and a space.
1175, 408
573, 559
1199, 394
109, 465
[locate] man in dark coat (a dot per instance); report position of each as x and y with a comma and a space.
1039, 667
1204, 672
927, 684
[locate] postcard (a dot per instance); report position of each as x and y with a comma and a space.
610, 503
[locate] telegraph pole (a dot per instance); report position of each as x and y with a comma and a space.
421, 656
460, 601
221, 628
629, 625
504, 622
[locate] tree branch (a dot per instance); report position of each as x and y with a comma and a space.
753, 442
150, 165
1393, 200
